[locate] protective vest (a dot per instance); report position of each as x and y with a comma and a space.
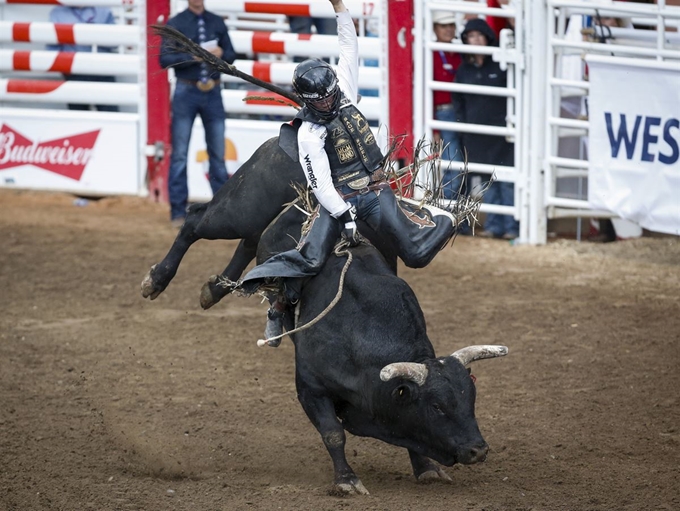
350, 145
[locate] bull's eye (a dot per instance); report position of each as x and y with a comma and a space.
437, 408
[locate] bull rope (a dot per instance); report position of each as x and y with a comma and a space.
340, 250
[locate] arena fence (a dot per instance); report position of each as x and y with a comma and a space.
552, 164
509, 53
44, 144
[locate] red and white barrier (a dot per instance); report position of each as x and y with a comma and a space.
59, 91
314, 8
284, 43
235, 103
101, 64
62, 33
282, 73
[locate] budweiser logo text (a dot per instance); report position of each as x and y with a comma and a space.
64, 156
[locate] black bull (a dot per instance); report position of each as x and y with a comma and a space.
368, 366
247, 204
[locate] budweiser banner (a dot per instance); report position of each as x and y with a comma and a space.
88, 153
634, 147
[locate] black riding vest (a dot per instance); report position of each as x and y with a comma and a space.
351, 147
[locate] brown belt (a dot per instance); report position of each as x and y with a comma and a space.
202, 86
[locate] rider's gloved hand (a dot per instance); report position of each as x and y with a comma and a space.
349, 229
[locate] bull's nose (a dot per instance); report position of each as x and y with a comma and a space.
478, 453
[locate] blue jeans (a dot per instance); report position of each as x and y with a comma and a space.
187, 102
502, 194
453, 152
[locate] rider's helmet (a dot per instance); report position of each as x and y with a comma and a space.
317, 85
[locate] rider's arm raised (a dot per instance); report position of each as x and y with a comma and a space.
348, 63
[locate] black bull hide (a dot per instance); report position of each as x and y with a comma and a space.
368, 366
241, 209
252, 199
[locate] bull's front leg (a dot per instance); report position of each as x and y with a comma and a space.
321, 412
425, 470
219, 286
160, 275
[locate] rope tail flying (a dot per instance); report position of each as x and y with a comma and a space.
181, 43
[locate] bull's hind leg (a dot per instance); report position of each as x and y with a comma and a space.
321, 412
160, 275
426, 470
219, 286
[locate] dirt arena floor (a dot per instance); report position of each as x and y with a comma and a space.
112, 402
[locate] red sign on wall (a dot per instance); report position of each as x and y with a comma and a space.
66, 156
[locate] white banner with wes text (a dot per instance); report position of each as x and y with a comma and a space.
634, 146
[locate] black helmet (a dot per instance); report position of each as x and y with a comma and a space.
317, 85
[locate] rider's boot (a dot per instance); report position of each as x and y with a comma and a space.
274, 326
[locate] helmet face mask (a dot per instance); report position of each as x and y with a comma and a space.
317, 85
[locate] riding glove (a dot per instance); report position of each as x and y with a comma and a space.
349, 230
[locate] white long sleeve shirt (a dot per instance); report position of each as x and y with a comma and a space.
312, 136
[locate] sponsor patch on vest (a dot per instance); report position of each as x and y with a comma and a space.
345, 151
361, 122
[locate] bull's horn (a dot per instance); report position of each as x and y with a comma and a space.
472, 353
417, 373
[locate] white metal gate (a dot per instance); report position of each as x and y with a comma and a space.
546, 91
510, 55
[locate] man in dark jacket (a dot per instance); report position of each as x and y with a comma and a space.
490, 110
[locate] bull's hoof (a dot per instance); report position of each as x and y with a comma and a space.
215, 289
149, 289
432, 475
354, 487
208, 299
